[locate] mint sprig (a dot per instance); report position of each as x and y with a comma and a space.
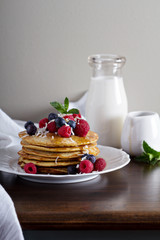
149, 155
63, 108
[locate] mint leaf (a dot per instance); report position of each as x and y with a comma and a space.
154, 161
64, 108
149, 155
66, 103
148, 149
73, 111
58, 106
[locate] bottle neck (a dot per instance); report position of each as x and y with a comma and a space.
104, 71
106, 65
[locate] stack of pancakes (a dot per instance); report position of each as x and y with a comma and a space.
52, 154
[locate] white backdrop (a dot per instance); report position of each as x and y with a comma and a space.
44, 45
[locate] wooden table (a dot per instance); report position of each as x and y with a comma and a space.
128, 198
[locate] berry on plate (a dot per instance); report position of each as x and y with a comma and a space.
70, 116
43, 122
77, 115
82, 128
72, 169
28, 123
30, 168
31, 129
52, 116
60, 122
71, 123
100, 164
86, 166
64, 131
52, 127
89, 157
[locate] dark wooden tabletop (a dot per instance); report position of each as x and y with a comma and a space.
128, 198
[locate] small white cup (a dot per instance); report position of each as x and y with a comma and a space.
138, 127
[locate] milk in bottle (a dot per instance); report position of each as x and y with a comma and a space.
106, 106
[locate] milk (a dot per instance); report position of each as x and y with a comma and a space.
106, 109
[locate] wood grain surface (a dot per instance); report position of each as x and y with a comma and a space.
128, 198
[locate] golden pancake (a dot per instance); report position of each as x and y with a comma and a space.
57, 149
52, 170
53, 140
49, 158
47, 164
91, 150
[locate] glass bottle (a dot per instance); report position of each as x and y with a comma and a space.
106, 106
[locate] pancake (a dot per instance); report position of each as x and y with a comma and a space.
52, 154
43, 158
49, 170
47, 163
90, 150
57, 149
53, 140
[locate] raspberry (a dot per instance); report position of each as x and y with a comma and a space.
100, 164
77, 115
52, 127
64, 131
42, 122
30, 168
86, 166
69, 117
81, 128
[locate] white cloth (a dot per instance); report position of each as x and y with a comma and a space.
10, 228
9, 130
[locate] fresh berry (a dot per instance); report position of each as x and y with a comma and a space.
43, 122
77, 115
52, 127
84, 156
86, 166
52, 116
28, 123
60, 122
89, 157
72, 169
30, 168
100, 164
71, 123
69, 117
82, 128
64, 131
31, 129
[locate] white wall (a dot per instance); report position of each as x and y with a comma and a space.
44, 45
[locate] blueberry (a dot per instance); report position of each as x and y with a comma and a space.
72, 123
28, 123
31, 129
89, 157
60, 122
72, 169
84, 156
52, 116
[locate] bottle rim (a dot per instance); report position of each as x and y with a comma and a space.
106, 58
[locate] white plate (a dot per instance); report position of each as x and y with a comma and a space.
115, 159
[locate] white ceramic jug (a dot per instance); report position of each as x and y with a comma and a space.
138, 127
